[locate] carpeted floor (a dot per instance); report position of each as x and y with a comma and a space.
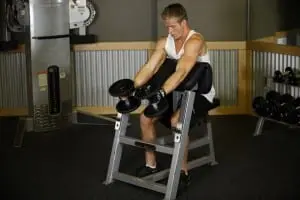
71, 164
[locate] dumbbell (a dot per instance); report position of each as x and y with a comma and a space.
273, 98
157, 104
285, 107
293, 117
260, 106
280, 77
293, 79
124, 90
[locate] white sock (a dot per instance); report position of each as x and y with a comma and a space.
151, 166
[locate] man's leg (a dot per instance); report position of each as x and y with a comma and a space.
174, 121
148, 135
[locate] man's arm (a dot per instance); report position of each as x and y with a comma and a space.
154, 62
185, 64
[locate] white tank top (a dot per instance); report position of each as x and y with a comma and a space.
171, 53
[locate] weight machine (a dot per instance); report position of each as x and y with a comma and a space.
15, 14
48, 68
48, 59
48, 62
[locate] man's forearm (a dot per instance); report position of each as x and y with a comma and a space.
184, 67
174, 81
142, 77
149, 69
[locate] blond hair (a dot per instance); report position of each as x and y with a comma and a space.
175, 10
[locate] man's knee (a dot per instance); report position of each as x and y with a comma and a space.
146, 121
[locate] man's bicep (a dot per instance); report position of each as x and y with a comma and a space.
156, 59
189, 58
184, 65
158, 56
193, 48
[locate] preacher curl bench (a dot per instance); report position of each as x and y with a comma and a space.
188, 89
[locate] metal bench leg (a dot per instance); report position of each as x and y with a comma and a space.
24, 124
211, 143
259, 126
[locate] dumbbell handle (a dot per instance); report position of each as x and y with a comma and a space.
288, 71
285, 73
155, 105
123, 98
283, 103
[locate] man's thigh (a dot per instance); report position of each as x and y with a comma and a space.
165, 119
200, 109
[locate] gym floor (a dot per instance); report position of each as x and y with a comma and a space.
71, 164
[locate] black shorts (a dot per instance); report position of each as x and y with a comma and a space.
200, 110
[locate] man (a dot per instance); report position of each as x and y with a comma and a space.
187, 47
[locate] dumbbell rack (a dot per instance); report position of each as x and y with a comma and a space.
281, 88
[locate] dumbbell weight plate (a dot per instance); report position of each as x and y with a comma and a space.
288, 70
289, 75
273, 96
285, 111
281, 107
278, 77
296, 102
294, 116
128, 105
156, 110
121, 88
273, 111
259, 106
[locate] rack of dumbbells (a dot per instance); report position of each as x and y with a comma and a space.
280, 102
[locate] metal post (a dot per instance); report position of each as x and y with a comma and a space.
180, 139
248, 20
211, 144
259, 126
4, 34
116, 152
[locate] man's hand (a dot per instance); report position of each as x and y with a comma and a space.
155, 61
192, 49
158, 104
157, 96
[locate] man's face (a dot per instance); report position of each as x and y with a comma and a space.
174, 27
